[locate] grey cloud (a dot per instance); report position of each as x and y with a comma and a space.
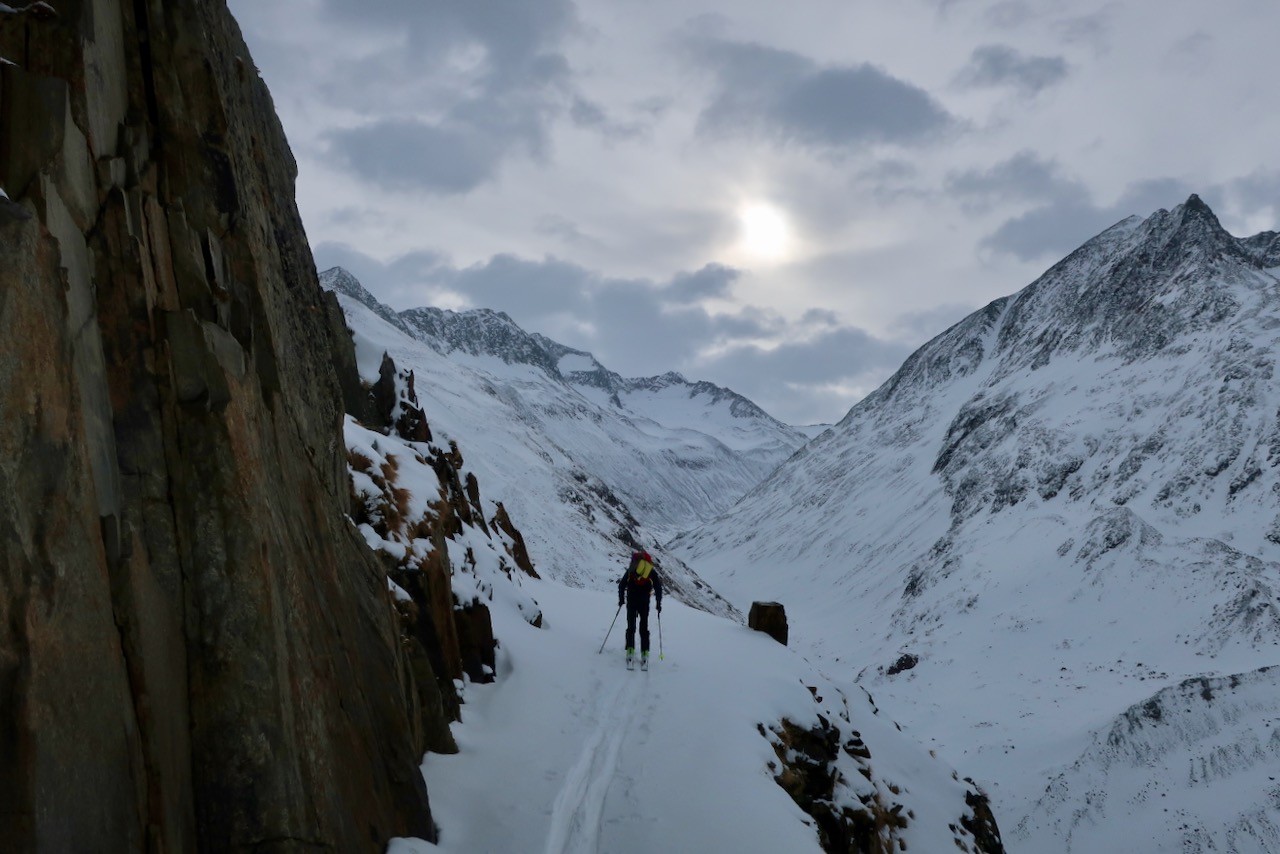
713, 280
589, 114
514, 35
524, 288
889, 181
389, 282
1056, 228
924, 325
1026, 175
832, 356
791, 99
820, 317
795, 379
461, 87
1093, 29
654, 107
1258, 191
634, 327
1009, 14
397, 152
564, 229
1001, 65
1190, 54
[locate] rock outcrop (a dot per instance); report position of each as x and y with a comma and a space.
197, 650
770, 618
422, 512
829, 770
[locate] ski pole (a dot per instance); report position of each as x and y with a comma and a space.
661, 655
611, 625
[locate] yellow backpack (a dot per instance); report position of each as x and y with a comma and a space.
641, 573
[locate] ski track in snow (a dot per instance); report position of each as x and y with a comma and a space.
579, 805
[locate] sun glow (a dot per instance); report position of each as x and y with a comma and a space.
765, 234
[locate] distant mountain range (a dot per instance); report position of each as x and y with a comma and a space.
1049, 542
588, 462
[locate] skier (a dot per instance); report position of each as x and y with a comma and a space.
633, 589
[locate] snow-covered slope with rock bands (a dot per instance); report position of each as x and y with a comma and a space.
728, 741
527, 443
1063, 506
679, 452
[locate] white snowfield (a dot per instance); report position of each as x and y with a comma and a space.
569, 752
1065, 506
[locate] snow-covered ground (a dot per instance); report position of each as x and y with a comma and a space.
569, 752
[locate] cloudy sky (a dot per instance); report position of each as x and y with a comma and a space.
784, 198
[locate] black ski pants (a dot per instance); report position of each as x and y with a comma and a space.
638, 609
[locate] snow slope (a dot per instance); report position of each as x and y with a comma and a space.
678, 453
565, 751
1064, 506
584, 480
569, 752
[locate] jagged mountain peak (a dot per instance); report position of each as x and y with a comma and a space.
655, 452
1137, 288
484, 332
340, 280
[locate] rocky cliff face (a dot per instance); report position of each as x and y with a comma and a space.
196, 646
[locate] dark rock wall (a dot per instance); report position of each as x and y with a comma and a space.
196, 648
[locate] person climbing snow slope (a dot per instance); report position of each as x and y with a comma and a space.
634, 588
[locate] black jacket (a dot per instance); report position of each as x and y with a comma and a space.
634, 585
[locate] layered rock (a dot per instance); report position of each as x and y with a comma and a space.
196, 646
853, 794
421, 510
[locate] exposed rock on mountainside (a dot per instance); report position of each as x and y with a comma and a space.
196, 646
566, 467
1083, 472
831, 773
715, 444
410, 502
770, 618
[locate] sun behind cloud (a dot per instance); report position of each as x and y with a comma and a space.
764, 232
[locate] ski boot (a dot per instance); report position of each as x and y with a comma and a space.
644, 660
631, 658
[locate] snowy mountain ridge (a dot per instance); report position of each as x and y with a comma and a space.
1067, 500
590, 480
483, 332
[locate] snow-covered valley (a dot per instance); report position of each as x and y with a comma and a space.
590, 464
1032, 544
1052, 516
726, 740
